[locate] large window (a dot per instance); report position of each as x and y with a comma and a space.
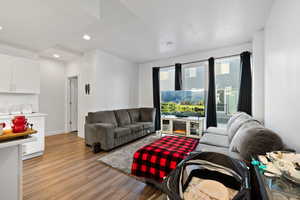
227, 87
190, 101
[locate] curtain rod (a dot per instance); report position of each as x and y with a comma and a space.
197, 61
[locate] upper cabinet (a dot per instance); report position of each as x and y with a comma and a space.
19, 75
5, 72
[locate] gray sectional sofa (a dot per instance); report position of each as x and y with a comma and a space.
105, 130
241, 138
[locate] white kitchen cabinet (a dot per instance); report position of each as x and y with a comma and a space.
20, 75
37, 147
26, 76
6, 72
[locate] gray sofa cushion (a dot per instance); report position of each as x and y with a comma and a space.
217, 131
223, 150
245, 130
236, 124
123, 117
134, 115
134, 127
103, 117
232, 118
147, 114
146, 125
260, 142
121, 132
215, 140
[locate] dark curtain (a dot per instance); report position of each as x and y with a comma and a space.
245, 94
178, 77
156, 96
211, 113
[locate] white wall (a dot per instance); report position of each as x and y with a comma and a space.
52, 96
258, 74
282, 50
83, 68
117, 83
113, 83
7, 100
145, 70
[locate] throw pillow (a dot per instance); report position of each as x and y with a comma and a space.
248, 128
261, 142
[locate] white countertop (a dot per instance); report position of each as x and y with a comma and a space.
26, 115
15, 142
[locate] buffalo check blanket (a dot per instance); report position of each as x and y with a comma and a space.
158, 159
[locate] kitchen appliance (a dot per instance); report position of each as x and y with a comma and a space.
19, 124
2, 126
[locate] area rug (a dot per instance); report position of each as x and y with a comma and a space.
122, 157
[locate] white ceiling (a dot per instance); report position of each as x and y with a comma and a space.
138, 30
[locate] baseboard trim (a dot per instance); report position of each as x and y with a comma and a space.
26, 157
48, 133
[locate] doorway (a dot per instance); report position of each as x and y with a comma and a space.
73, 104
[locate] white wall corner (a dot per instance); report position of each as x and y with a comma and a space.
258, 76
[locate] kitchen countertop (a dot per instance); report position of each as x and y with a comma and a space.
26, 115
10, 143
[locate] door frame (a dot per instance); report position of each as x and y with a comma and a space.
68, 113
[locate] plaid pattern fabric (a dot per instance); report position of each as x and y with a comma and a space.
159, 158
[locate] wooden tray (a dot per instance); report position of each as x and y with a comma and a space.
11, 135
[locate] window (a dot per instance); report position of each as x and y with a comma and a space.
194, 76
190, 101
167, 79
227, 87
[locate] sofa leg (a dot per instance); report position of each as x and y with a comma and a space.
87, 145
96, 147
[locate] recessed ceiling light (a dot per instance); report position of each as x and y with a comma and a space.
56, 55
1, 28
86, 37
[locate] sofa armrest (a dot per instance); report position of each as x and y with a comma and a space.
100, 132
148, 114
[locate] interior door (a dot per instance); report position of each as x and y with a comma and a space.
73, 102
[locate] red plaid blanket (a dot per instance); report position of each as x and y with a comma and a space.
159, 158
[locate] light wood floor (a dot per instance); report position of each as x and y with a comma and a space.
69, 170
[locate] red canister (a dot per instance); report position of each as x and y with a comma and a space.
19, 124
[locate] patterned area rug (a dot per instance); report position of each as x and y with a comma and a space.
122, 157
